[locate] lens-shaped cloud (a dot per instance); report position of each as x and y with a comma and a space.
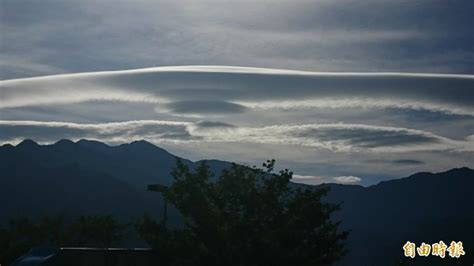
120, 132
214, 89
205, 107
334, 137
347, 179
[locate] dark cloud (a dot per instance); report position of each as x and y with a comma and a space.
408, 162
205, 107
369, 137
213, 124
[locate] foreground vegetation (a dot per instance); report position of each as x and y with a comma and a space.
246, 216
20, 235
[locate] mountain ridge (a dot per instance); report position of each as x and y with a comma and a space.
89, 177
149, 145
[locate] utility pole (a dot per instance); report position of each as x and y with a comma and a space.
162, 189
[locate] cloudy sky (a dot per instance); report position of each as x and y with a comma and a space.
338, 91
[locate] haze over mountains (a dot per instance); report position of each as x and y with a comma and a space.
89, 177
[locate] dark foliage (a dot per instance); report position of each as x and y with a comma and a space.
20, 235
248, 216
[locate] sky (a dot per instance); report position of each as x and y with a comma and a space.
352, 92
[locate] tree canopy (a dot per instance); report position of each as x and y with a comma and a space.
247, 216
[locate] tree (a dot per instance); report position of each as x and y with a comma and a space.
97, 231
248, 216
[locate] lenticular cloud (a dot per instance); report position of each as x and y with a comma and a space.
235, 89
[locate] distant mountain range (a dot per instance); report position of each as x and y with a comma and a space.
423, 207
85, 177
90, 177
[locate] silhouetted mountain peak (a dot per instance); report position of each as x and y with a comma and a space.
455, 171
8, 145
27, 143
144, 146
91, 143
65, 143
461, 170
142, 143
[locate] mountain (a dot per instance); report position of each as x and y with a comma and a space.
424, 207
89, 177
85, 177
